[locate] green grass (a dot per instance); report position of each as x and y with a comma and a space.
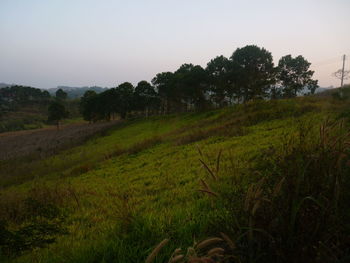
126, 191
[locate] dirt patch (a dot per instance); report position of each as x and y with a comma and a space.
44, 142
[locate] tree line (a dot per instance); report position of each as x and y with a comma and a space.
248, 74
16, 97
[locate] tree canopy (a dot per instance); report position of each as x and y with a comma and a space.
249, 74
61, 94
294, 75
253, 72
57, 112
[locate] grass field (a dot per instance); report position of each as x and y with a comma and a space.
183, 177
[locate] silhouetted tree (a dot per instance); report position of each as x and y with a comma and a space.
57, 112
45, 94
191, 85
145, 97
248, 74
123, 99
253, 72
218, 79
61, 94
165, 85
88, 104
294, 75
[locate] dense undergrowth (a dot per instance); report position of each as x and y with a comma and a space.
271, 176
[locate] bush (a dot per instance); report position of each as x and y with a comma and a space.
32, 221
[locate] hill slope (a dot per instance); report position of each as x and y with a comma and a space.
115, 197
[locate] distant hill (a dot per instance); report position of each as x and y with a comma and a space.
332, 91
319, 90
4, 85
76, 92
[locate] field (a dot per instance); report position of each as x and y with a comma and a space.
47, 141
184, 177
34, 116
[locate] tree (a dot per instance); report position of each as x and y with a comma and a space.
294, 75
123, 99
56, 112
218, 79
190, 83
45, 94
145, 97
60, 94
253, 72
88, 105
165, 85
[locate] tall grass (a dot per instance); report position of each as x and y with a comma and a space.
297, 211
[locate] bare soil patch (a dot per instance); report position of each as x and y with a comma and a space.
48, 141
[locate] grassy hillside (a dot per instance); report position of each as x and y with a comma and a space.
183, 177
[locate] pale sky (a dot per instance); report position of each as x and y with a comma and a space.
45, 43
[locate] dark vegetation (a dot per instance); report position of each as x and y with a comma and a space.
24, 108
57, 112
249, 74
76, 92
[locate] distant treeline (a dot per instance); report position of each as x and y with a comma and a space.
247, 75
16, 96
23, 107
76, 92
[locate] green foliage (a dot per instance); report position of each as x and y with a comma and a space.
23, 108
294, 75
146, 98
253, 71
219, 82
56, 112
25, 122
15, 97
190, 81
165, 85
248, 75
88, 105
22, 95
124, 104
42, 223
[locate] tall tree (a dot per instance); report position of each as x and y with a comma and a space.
191, 85
294, 75
88, 104
165, 85
254, 72
109, 102
218, 79
123, 101
57, 112
145, 97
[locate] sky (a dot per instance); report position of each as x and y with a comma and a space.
106, 42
